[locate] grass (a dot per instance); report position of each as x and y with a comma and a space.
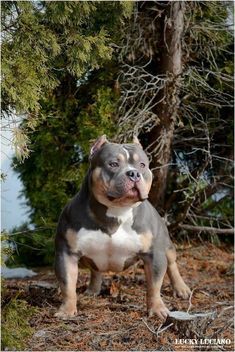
16, 329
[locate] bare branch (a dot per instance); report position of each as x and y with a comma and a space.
209, 229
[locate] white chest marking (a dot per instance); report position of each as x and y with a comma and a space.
109, 252
123, 214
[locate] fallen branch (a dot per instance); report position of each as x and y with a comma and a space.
207, 229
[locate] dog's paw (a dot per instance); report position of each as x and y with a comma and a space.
160, 309
66, 311
92, 292
182, 290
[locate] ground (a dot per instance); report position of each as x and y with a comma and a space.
116, 320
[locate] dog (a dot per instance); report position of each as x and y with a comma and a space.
110, 225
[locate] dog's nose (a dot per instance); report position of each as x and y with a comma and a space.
133, 175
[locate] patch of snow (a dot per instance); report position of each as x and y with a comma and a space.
16, 273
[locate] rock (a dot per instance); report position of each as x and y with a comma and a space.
41, 333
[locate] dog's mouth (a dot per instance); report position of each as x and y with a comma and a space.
132, 194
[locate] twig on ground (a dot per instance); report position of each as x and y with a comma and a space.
159, 330
190, 300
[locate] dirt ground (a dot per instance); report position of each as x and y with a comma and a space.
116, 320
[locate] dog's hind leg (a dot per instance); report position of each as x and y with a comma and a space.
94, 286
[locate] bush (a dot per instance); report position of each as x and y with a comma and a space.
32, 248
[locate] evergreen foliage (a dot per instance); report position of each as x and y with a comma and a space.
48, 49
60, 146
44, 42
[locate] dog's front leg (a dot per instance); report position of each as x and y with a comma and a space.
66, 268
179, 286
155, 268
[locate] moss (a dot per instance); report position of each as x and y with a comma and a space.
16, 327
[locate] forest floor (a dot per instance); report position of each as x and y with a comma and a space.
116, 320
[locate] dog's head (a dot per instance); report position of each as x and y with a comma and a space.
120, 174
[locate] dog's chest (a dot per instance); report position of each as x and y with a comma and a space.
109, 252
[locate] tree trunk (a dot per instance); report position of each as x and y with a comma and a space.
161, 136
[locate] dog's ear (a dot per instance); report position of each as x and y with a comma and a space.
136, 141
97, 145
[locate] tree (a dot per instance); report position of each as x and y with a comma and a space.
176, 82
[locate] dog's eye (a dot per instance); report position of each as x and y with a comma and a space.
142, 165
113, 164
